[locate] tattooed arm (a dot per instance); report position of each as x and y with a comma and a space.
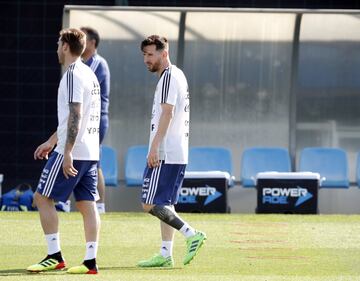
72, 132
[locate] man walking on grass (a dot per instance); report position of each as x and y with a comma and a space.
72, 166
168, 153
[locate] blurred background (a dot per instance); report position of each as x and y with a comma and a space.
260, 73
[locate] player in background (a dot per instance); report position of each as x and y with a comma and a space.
101, 69
168, 153
72, 166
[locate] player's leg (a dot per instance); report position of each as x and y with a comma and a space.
165, 256
167, 241
48, 215
49, 223
160, 192
194, 239
101, 189
85, 194
167, 238
91, 226
51, 187
162, 259
104, 125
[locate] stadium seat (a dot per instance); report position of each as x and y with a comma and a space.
135, 163
263, 159
210, 158
330, 163
109, 165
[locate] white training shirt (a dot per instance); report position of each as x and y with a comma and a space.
80, 85
172, 88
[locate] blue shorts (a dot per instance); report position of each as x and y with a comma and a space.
161, 185
54, 185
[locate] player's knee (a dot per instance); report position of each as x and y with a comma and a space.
40, 200
36, 198
147, 208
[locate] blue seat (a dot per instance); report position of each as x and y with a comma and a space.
330, 163
209, 158
135, 163
109, 165
263, 159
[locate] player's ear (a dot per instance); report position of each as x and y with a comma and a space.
65, 46
93, 42
164, 54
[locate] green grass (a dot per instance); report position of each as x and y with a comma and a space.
239, 247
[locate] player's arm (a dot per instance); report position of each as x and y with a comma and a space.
164, 122
43, 150
103, 76
105, 84
73, 127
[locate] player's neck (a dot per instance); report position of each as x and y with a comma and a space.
161, 70
87, 55
69, 60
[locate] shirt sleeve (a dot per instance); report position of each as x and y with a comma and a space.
103, 75
75, 87
169, 91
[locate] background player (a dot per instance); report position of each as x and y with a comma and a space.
101, 69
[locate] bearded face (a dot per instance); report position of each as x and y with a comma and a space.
155, 66
153, 59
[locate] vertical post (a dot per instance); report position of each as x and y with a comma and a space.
181, 40
66, 18
293, 89
1, 180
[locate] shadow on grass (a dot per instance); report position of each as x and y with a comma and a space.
20, 272
11, 272
138, 268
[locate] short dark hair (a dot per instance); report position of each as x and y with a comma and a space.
75, 38
92, 34
161, 43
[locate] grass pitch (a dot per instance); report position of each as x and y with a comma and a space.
239, 247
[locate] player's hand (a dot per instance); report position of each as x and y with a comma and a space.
153, 158
68, 168
43, 150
